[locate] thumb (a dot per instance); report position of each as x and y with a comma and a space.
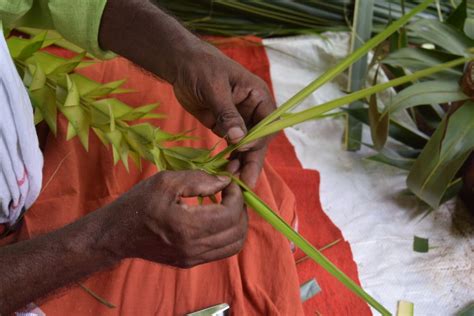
229, 122
200, 183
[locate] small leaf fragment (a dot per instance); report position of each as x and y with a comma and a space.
405, 308
421, 244
73, 98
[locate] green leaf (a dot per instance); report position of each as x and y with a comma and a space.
23, 49
443, 156
117, 107
333, 72
124, 155
459, 15
71, 132
419, 58
101, 136
397, 130
428, 92
421, 244
115, 138
44, 100
142, 112
392, 158
67, 66
73, 98
467, 311
158, 158
38, 77
145, 131
84, 84
189, 153
38, 117
442, 35
316, 111
105, 89
361, 32
280, 225
378, 124
80, 121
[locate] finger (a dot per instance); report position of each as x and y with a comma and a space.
233, 166
229, 122
198, 183
221, 253
222, 238
214, 218
232, 197
252, 163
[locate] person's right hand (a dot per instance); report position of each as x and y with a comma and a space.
151, 221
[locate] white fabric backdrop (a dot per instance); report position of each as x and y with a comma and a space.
363, 198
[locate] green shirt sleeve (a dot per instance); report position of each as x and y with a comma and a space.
76, 21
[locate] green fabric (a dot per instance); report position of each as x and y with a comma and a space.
76, 21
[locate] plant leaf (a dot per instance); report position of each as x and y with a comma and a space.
314, 112
428, 92
80, 121
105, 89
419, 58
38, 77
421, 244
340, 67
467, 311
280, 225
44, 100
442, 35
443, 156
398, 131
459, 15
72, 98
361, 32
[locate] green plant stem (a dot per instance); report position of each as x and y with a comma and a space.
327, 76
316, 111
262, 209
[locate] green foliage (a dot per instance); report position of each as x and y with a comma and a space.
443, 156
268, 18
55, 87
434, 165
88, 106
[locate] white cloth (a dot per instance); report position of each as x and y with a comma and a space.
21, 160
363, 197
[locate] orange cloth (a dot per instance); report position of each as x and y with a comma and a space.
261, 280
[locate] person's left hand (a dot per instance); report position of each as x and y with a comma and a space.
226, 98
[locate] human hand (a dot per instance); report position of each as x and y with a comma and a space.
226, 98
151, 221
219, 92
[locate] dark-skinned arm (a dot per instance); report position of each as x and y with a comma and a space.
219, 92
147, 222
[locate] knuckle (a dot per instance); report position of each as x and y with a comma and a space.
186, 264
227, 115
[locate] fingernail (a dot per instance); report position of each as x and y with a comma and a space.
233, 166
235, 134
223, 178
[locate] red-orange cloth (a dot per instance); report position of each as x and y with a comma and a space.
261, 280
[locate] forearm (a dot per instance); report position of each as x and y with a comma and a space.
138, 30
31, 269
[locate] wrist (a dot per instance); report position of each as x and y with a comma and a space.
139, 31
88, 238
